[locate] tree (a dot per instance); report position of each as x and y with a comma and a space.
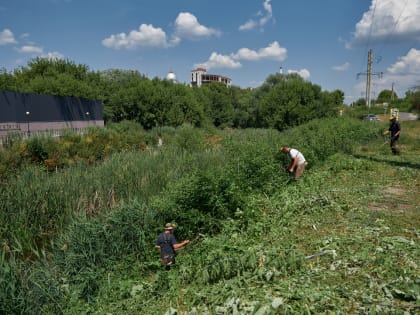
218, 104
386, 96
413, 99
7, 81
359, 103
293, 101
55, 77
244, 106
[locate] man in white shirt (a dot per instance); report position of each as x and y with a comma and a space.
298, 163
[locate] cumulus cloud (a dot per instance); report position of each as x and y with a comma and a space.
402, 75
54, 55
272, 51
268, 13
146, 36
30, 49
7, 37
345, 66
409, 63
264, 17
304, 73
391, 20
251, 24
187, 26
219, 61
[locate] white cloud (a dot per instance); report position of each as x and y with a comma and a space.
264, 18
30, 49
345, 66
251, 24
409, 63
54, 55
146, 36
269, 13
272, 51
219, 61
304, 73
246, 54
187, 26
7, 37
403, 75
388, 20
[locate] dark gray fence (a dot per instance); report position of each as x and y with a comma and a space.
27, 113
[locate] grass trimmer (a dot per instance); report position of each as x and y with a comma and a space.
385, 137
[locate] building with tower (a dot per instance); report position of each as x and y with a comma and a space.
200, 76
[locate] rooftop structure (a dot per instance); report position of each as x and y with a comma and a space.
171, 76
199, 77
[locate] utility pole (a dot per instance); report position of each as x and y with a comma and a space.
27, 113
392, 92
369, 78
369, 74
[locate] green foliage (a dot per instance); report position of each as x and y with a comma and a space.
91, 244
73, 148
291, 101
386, 96
201, 201
11, 298
39, 148
129, 95
220, 107
55, 77
413, 98
322, 138
253, 164
252, 236
28, 288
189, 138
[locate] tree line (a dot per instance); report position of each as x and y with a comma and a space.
281, 102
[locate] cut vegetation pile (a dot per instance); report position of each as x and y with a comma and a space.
343, 240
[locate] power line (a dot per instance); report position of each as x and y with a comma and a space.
393, 29
370, 34
371, 26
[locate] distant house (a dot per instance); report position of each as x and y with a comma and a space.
34, 113
200, 76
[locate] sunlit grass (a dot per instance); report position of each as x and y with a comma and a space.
251, 229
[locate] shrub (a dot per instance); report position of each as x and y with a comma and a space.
94, 243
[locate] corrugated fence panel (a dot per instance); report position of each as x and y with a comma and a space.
24, 107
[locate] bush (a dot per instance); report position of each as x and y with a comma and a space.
95, 243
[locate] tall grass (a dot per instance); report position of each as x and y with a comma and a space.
95, 216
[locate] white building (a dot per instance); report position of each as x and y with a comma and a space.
199, 77
171, 76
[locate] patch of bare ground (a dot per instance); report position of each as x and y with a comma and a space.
395, 199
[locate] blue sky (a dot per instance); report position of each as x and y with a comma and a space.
325, 41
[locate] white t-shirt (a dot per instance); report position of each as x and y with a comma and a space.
296, 154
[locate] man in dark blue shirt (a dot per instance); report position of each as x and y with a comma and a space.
395, 130
167, 244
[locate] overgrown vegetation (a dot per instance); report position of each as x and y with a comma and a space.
152, 103
81, 240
